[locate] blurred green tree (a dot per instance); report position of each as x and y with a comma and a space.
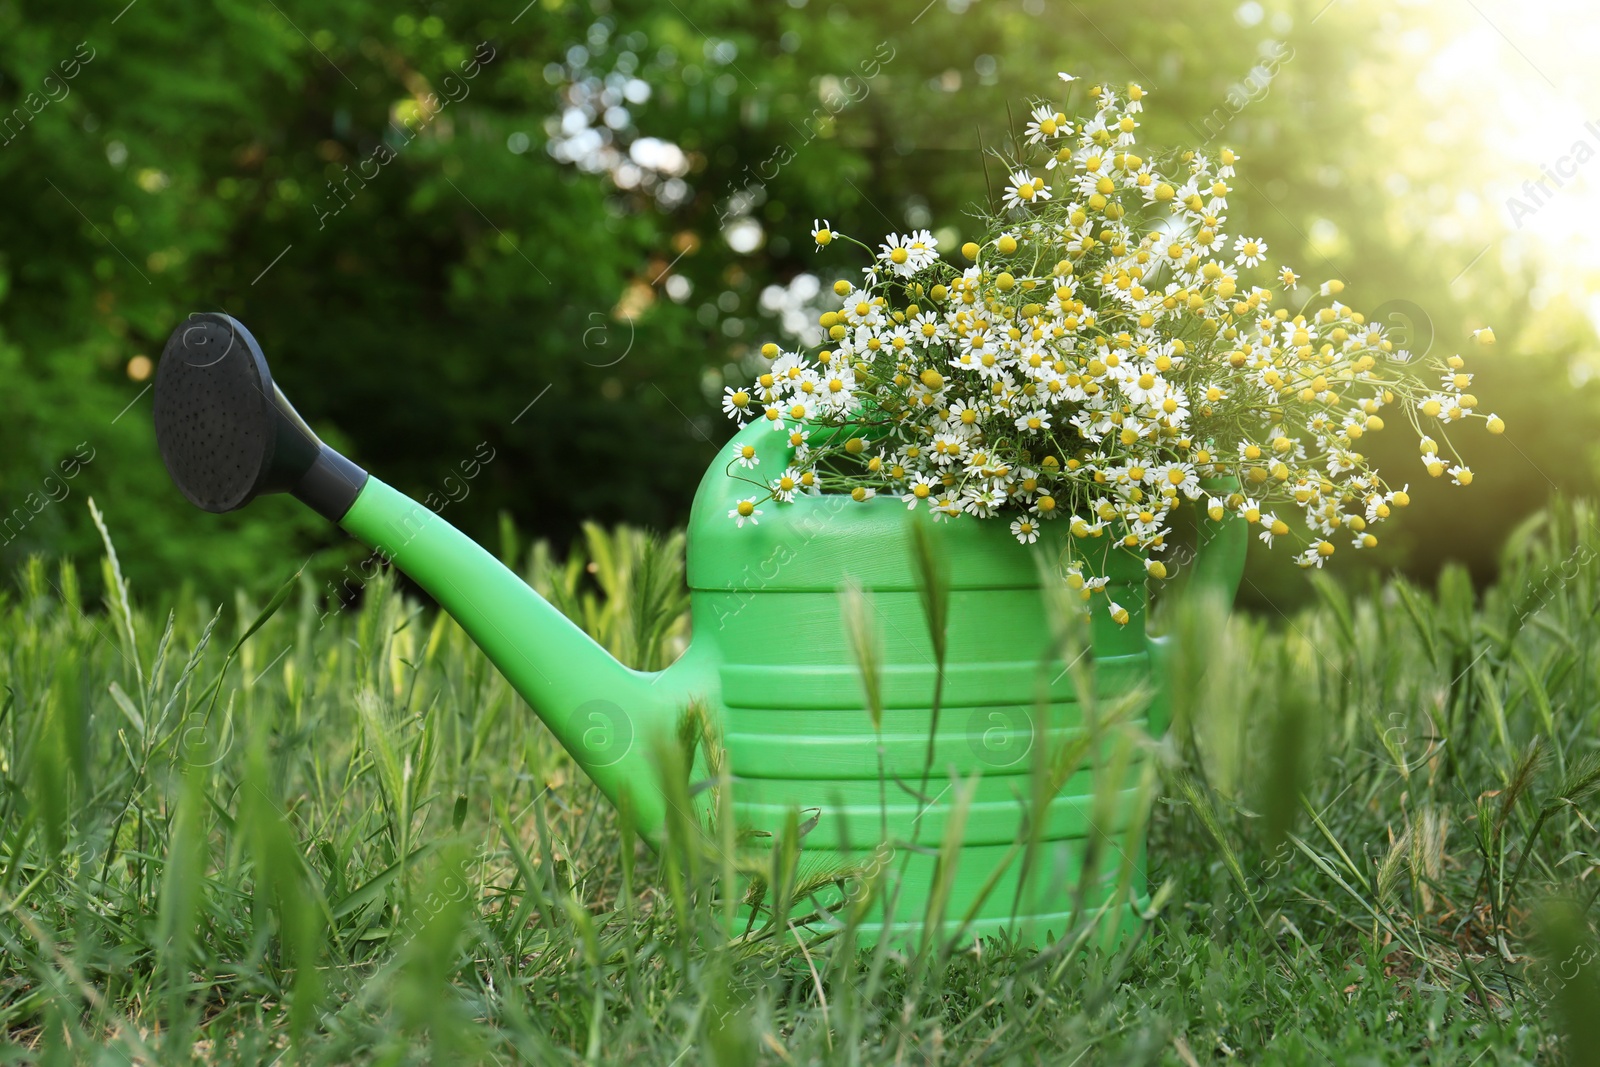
529, 246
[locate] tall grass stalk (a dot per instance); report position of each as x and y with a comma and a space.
371, 852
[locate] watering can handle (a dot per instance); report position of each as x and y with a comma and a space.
1216, 570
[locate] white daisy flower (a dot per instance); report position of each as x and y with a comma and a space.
964, 417
1024, 188
800, 407
1270, 525
1179, 476
1025, 530
980, 462
746, 511
1207, 240
1046, 123
981, 502
836, 388
859, 309
1133, 473
1045, 506
947, 448
924, 248
785, 485
1173, 409
899, 338
1251, 251
945, 507
736, 403
929, 328
895, 254
788, 366
1024, 484
1033, 421
920, 489
1143, 384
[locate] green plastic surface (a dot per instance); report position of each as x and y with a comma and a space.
770, 656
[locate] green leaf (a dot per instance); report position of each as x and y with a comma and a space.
125, 704
374, 888
271, 609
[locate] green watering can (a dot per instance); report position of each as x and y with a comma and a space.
770, 657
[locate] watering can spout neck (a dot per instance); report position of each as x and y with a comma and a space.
227, 434
602, 712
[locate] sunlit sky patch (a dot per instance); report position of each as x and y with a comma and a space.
1524, 70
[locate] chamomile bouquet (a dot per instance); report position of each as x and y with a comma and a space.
1103, 355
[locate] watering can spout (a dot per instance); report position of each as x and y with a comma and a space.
227, 434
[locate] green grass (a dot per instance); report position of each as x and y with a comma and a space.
266, 833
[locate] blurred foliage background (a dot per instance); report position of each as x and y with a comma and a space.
529, 246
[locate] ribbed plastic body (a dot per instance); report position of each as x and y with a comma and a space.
768, 623
798, 733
